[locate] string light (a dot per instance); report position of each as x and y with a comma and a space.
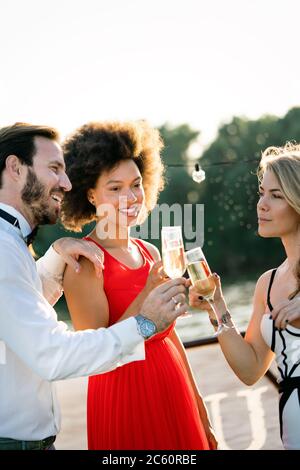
208, 165
198, 174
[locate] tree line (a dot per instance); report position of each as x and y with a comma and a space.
229, 192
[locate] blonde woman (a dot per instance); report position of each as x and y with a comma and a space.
274, 328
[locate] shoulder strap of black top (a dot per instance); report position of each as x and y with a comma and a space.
269, 289
271, 308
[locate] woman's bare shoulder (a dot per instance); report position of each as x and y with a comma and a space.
262, 285
86, 274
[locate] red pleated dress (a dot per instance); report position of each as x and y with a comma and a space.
145, 404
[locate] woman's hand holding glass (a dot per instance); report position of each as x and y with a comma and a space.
197, 300
206, 292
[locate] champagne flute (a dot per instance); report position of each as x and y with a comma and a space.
202, 278
173, 251
173, 254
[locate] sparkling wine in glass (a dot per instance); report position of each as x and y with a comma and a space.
173, 251
202, 278
173, 254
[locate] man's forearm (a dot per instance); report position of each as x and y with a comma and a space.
50, 268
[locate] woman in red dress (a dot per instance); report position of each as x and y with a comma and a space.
116, 173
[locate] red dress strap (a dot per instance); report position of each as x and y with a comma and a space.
142, 247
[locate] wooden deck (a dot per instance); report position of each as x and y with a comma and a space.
243, 417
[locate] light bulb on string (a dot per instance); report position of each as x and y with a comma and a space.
198, 174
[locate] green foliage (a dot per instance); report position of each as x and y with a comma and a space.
180, 188
231, 241
177, 141
229, 192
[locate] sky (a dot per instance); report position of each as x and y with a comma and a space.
67, 62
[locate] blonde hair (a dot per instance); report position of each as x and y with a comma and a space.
284, 162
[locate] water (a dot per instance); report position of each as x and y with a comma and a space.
239, 301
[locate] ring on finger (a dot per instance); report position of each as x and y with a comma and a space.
177, 304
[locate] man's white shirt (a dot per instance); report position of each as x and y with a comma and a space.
36, 349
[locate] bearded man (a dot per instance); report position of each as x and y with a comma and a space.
36, 349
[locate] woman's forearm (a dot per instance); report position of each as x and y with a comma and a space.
239, 354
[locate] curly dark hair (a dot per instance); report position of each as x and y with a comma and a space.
100, 146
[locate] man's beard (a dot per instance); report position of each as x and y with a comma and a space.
34, 195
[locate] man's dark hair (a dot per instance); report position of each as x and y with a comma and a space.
18, 140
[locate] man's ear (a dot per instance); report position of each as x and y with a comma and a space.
14, 167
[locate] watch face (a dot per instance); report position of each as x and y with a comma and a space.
147, 327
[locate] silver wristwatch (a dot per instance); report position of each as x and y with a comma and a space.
145, 326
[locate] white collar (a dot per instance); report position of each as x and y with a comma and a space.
24, 225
